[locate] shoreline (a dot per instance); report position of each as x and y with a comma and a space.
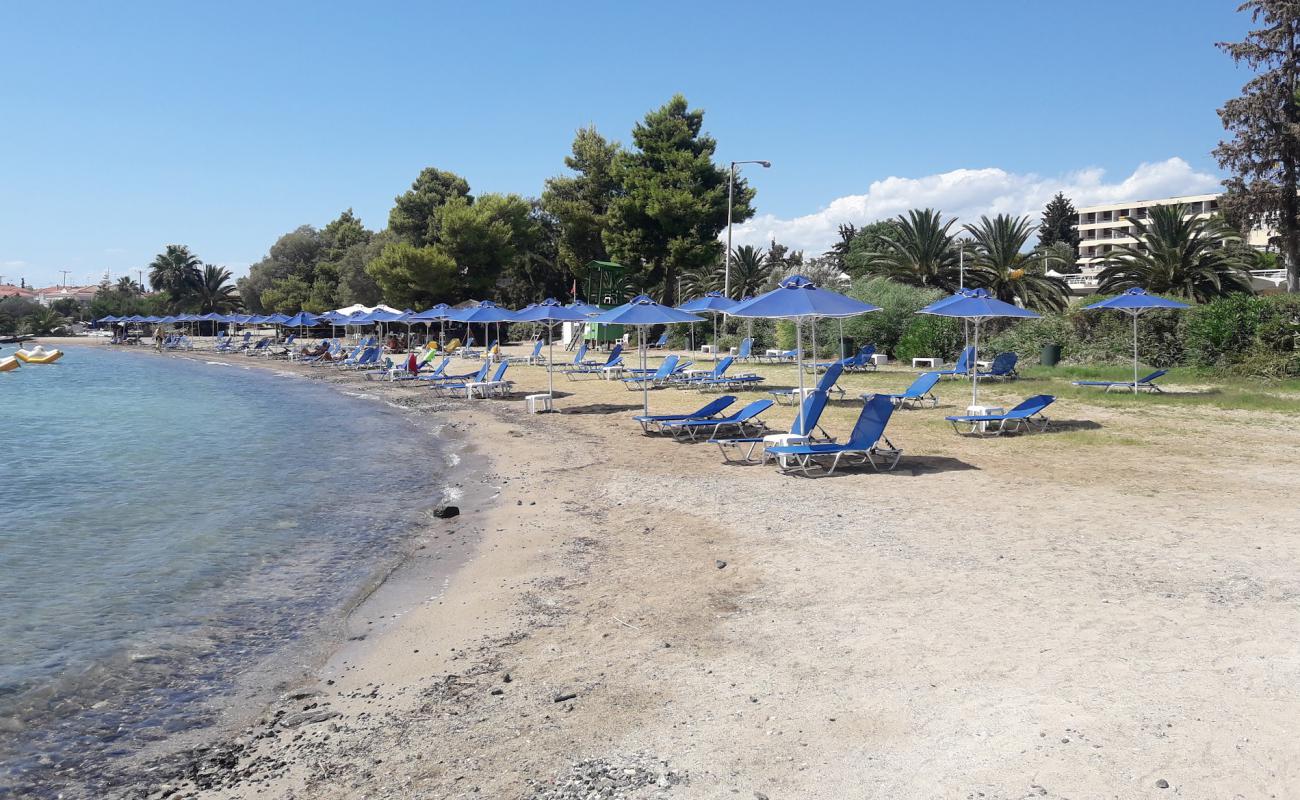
1038, 616
395, 587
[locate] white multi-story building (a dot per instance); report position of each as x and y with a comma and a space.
1104, 228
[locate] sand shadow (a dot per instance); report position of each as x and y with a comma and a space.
1068, 425
908, 467
601, 408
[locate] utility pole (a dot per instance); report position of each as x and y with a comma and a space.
65, 277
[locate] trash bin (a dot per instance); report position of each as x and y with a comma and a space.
1051, 355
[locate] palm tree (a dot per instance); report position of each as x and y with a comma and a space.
44, 321
215, 292
919, 251
748, 271
1178, 254
175, 271
128, 287
695, 282
1003, 268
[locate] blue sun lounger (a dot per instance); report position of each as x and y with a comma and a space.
858, 362
594, 367
1147, 384
864, 444
918, 394
709, 410
1003, 366
659, 377
498, 385
451, 384
804, 424
659, 343
963, 364
717, 372
1024, 416
741, 422
746, 350
826, 383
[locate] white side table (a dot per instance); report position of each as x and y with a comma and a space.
782, 439
538, 402
879, 359
772, 353
612, 373
928, 363
982, 411
706, 348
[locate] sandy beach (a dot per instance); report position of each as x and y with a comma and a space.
1106, 610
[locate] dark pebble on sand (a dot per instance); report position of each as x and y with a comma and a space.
447, 512
721, 564
1162, 784
560, 698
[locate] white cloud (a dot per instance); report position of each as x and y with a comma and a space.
968, 193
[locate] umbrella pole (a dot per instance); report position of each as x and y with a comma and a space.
974, 367
715, 337
798, 353
550, 363
843, 355
1135, 352
645, 385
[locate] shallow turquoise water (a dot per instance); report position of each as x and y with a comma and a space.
166, 524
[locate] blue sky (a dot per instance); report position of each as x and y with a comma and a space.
130, 126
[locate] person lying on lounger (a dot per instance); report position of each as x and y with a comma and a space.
318, 351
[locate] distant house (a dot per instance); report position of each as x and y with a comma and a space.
52, 294
9, 290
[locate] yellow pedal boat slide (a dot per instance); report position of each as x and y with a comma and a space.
38, 355
8, 363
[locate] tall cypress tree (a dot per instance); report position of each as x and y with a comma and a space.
672, 203
1060, 223
1264, 152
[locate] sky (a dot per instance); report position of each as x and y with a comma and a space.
129, 126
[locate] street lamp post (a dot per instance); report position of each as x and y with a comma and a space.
731, 190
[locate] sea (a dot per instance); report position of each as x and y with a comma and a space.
171, 530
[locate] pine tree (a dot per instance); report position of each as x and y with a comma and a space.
1264, 152
1060, 223
673, 200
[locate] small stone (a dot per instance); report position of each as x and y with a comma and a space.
1162, 784
506, 678
446, 512
560, 698
721, 564
497, 690
759, 796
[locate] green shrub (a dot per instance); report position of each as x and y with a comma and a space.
785, 335
927, 335
1221, 331
885, 328
1027, 337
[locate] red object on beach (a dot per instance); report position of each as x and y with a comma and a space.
412, 365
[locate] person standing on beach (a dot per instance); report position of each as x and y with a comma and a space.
158, 338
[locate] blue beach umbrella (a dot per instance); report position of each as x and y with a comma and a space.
713, 304
303, 319
797, 298
485, 313
429, 316
1134, 302
550, 311
975, 305
642, 312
